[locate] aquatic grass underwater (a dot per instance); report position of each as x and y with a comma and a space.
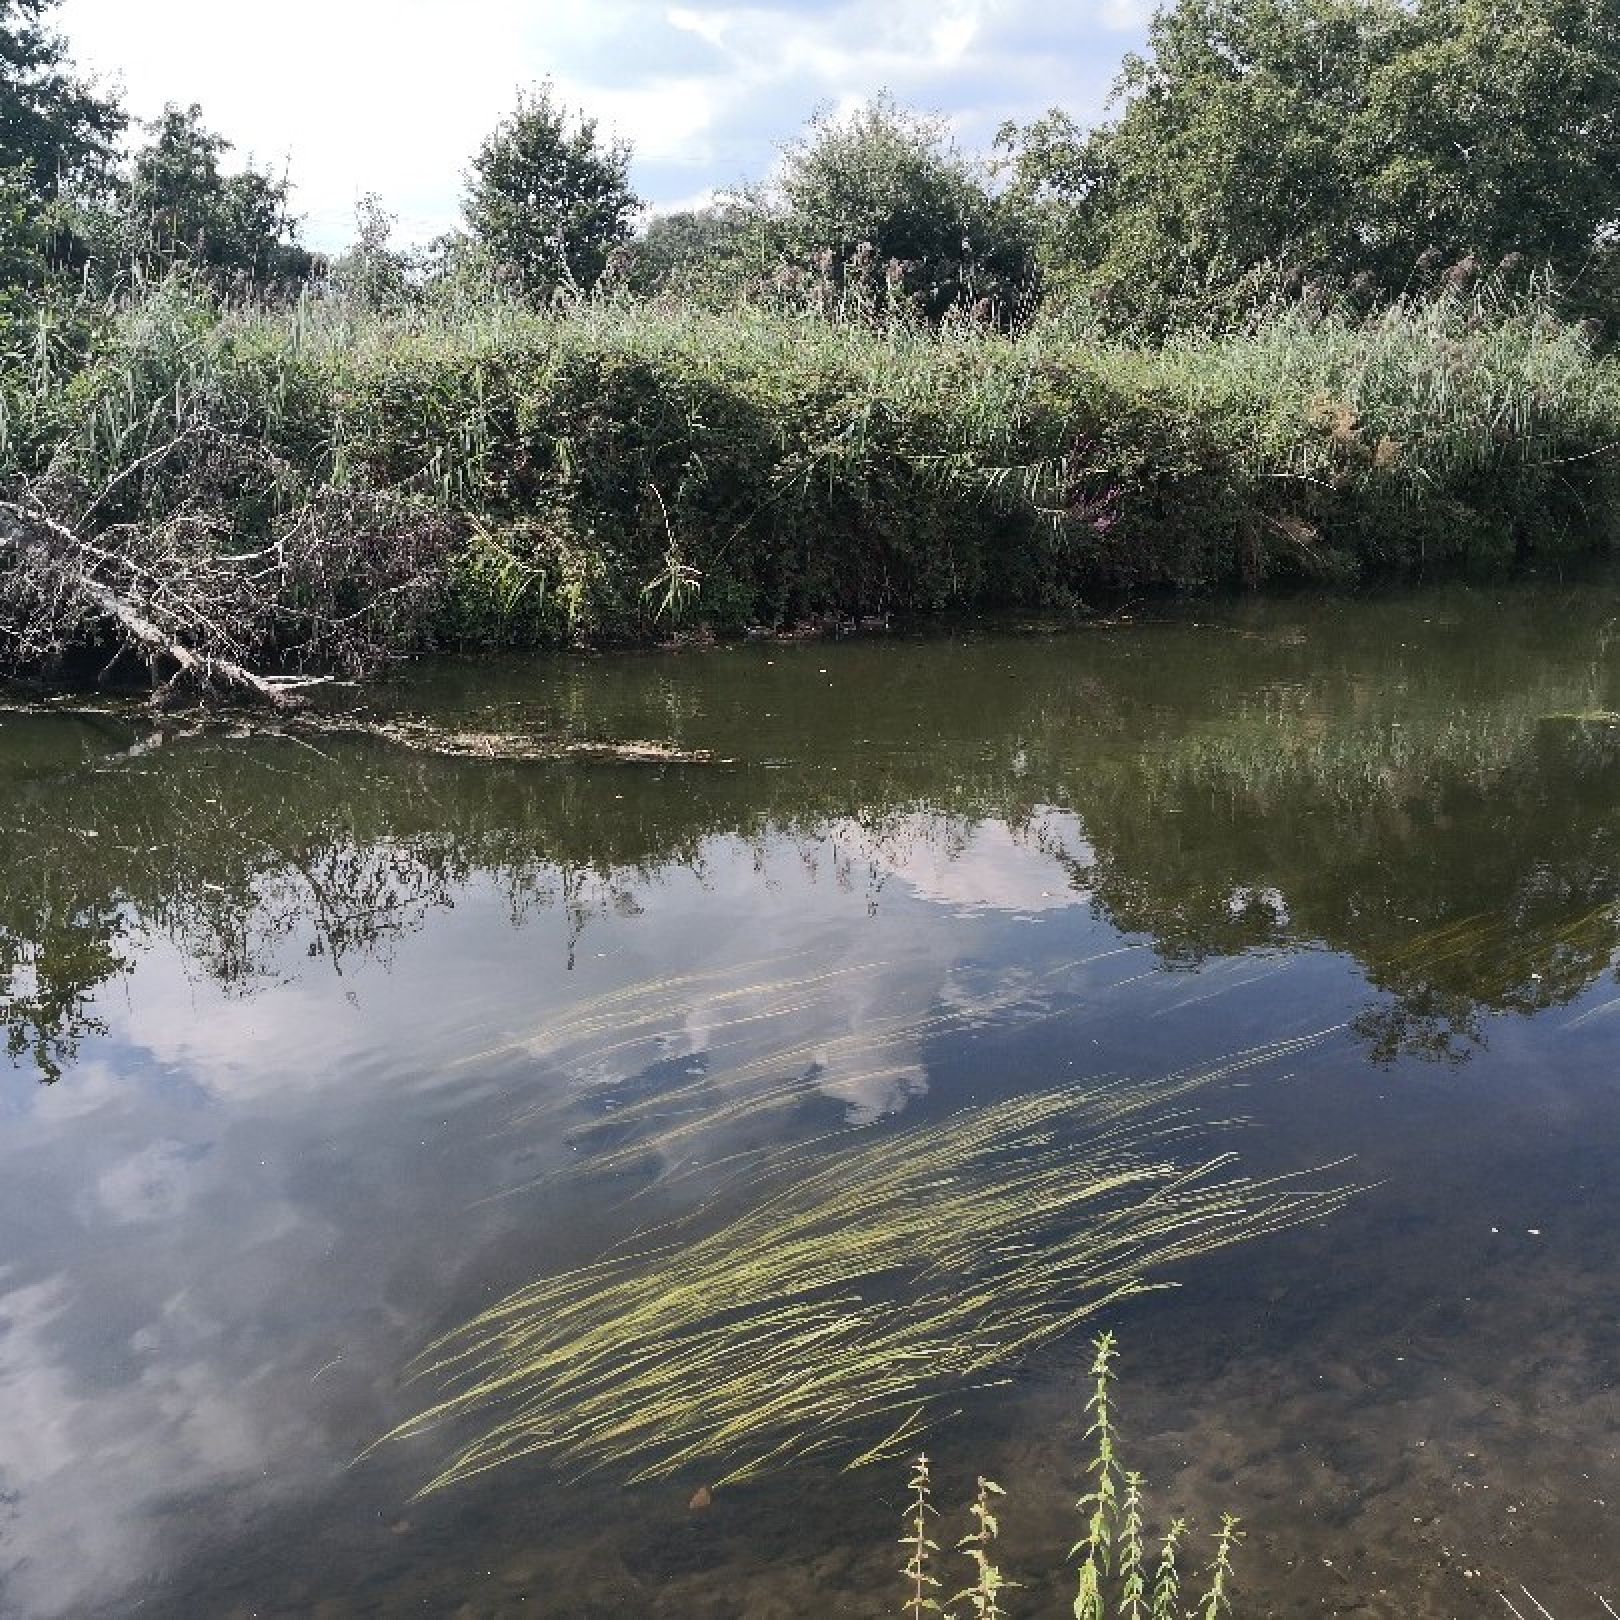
864, 1288
1534, 1609
756, 1076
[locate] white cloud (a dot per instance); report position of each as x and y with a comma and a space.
997, 869
394, 97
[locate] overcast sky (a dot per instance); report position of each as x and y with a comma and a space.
393, 96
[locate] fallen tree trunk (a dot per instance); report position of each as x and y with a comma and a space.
309, 726
61, 564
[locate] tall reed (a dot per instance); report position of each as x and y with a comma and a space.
615, 469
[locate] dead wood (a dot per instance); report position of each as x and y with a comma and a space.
60, 567
309, 726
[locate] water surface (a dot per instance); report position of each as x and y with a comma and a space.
320, 1049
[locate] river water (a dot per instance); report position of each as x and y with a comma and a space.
322, 1047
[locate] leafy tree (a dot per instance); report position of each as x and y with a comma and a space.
24, 252
23, 237
546, 199
182, 209
1262, 139
887, 193
54, 128
702, 253
1496, 130
372, 272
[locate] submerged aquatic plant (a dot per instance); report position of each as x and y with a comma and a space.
864, 1285
1538, 1609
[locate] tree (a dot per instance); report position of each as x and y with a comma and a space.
673, 244
372, 273
54, 128
710, 255
1497, 131
546, 199
886, 192
182, 209
24, 245
1335, 139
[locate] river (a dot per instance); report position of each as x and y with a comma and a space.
320, 1048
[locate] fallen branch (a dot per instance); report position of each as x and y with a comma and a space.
39, 542
307, 726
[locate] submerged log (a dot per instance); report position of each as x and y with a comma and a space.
308, 726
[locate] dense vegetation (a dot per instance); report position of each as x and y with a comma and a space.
1326, 299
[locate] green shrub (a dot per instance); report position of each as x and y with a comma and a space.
617, 469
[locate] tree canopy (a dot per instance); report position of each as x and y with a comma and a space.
888, 186
55, 129
181, 207
1337, 138
1255, 147
547, 198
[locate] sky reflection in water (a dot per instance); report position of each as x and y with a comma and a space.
302, 1043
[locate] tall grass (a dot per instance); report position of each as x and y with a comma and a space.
618, 468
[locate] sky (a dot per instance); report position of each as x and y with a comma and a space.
394, 96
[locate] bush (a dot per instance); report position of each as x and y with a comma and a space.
615, 470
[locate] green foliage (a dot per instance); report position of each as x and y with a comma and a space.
372, 274
883, 206
982, 1598
1263, 143
620, 470
56, 131
1496, 130
181, 209
547, 199
921, 1548
1116, 1579
24, 250
712, 256
789, 469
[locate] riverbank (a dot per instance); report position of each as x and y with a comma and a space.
331, 484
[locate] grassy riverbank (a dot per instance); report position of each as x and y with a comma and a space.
481, 474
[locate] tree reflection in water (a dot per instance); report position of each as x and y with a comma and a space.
1426, 786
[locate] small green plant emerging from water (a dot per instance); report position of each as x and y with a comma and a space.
1117, 1579
983, 1597
921, 1582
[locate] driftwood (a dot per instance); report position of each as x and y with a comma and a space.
207, 558
310, 727
423, 737
29, 536
61, 568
